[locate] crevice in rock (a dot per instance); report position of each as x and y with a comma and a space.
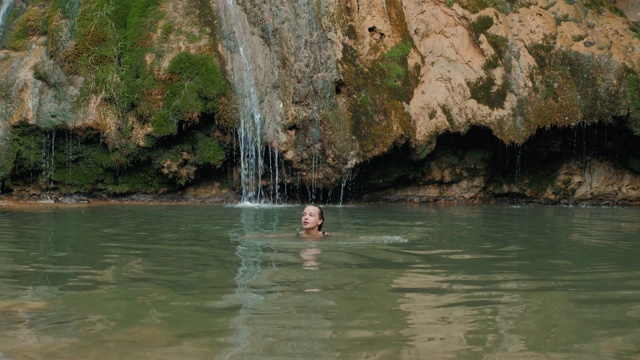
339, 87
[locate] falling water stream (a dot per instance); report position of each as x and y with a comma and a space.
250, 130
5, 7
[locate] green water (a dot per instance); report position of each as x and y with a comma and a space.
393, 282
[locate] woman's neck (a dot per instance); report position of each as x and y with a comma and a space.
312, 232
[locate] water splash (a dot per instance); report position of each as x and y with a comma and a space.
4, 13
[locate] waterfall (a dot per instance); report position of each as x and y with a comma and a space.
4, 12
345, 181
281, 64
241, 69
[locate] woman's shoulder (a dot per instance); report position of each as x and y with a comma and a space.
318, 234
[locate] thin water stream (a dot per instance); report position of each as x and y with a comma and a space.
5, 7
241, 64
392, 282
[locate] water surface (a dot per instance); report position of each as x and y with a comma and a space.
393, 282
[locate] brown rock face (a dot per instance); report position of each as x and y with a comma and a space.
328, 86
410, 71
631, 8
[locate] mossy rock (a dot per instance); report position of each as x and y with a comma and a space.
196, 88
32, 23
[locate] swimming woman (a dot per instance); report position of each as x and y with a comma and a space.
312, 221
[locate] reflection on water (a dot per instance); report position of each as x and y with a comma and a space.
275, 317
310, 257
394, 282
517, 290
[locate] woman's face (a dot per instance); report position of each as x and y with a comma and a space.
311, 217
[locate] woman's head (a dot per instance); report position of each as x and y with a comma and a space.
312, 216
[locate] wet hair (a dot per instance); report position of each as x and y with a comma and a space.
320, 215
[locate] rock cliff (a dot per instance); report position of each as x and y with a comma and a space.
420, 100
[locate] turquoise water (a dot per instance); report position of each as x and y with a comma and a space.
393, 282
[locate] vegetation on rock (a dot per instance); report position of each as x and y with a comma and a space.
111, 44
378, 111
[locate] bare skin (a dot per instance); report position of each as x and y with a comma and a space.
312, 219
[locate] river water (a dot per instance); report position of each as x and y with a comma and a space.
392, 282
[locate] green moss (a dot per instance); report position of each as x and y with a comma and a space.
577, 38
69, 163
377, 123
491, 63
394, 65
481, 24
571, 87
635, 27
112, 41
167, 30
208, 151
602, 94
633, 96
562, 18
399, 52
485, 91
140, 181
163, 124
499, 44
84, 175
55, 158
198, 87
191, 37
602, 5
474, 6
27, 145
365, 101
376, 112
175, 165
9, 156
227, 117
61, 17
202, 75
446, 110
32, 23
504, 6
432, 114
510, 131
374, 90
542, 52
